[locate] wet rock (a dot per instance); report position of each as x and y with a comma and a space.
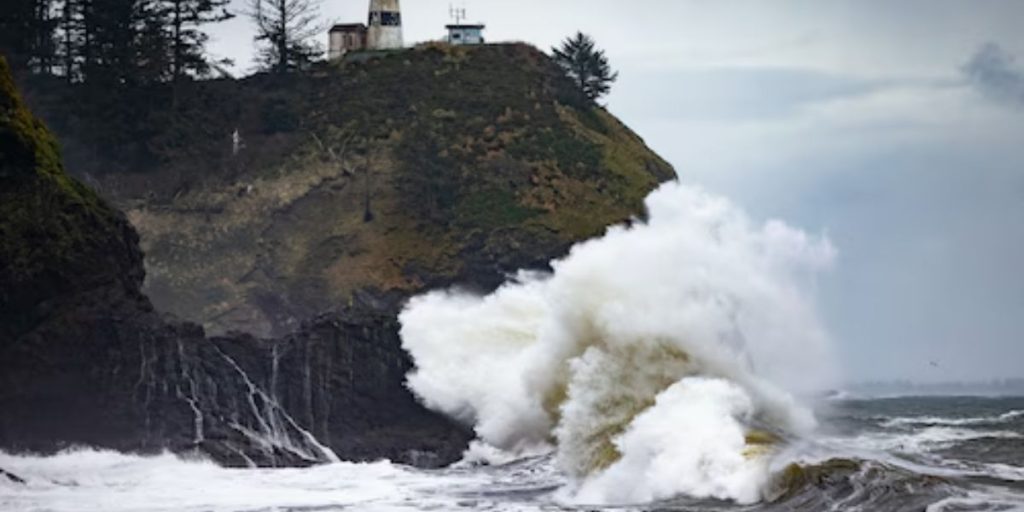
85, 359
11, 476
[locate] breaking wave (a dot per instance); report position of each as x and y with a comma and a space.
952, 422
662, 359
922, 440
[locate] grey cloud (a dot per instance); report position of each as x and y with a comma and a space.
996, 74
733, 93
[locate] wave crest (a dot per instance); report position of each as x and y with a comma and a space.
657, 348
913, 421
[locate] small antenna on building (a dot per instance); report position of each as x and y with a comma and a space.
457, 14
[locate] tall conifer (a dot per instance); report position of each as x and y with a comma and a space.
586, 65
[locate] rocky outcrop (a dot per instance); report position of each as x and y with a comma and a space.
429, 167
425, 168
128, 381
85, 359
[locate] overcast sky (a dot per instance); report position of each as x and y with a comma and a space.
894, 127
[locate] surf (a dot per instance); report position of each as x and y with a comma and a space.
664, 358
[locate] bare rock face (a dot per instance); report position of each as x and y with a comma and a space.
85, 359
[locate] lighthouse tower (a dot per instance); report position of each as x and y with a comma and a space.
384, 31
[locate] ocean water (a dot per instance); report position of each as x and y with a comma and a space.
936, 454
662, 366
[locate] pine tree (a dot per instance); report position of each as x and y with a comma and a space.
27, 34
111, 31
69, 43
586, 65
184, 20
153, 47
121, 43
44, 48
284, 29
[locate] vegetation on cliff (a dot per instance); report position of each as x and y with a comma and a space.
86, 361
397, 171
54, 232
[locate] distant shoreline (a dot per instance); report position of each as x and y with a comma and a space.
1002, 388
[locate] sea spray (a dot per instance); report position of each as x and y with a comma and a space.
647, 357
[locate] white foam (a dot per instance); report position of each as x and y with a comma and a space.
482, 454
977, 501
578, 357
102, 481
920, 441
1004, 471
689, 442
935, 420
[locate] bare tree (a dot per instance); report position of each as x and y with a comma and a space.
284, 32
341, 143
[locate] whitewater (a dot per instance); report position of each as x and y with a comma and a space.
663, 358
672, 364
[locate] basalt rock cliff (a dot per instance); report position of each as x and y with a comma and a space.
400, 171
290, 216
86, 360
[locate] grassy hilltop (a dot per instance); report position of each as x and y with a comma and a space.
427, 167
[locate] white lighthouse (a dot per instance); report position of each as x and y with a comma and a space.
384, 31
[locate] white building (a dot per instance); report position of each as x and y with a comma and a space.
384, 31
465, 34
344, 38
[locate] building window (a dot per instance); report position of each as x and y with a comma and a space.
386, 19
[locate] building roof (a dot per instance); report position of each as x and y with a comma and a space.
474, 26
348, 27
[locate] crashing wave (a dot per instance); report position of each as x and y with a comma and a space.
659, 360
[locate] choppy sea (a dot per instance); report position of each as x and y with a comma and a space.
895, 454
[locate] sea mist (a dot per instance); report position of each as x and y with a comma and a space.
654, 360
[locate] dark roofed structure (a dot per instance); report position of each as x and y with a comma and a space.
346, 37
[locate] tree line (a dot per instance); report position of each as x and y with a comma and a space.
122, 43
138, 42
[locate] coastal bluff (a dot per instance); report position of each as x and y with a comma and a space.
265, 201
244, 305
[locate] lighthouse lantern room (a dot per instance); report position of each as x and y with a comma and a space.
384, 30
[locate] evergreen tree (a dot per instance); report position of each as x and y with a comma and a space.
586, 65
184, 20
284, 29
135, 41
69, 43
15, 28
111, 30
153, 47
27, 34
124, 43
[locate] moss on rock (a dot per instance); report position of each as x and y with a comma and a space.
56, 235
